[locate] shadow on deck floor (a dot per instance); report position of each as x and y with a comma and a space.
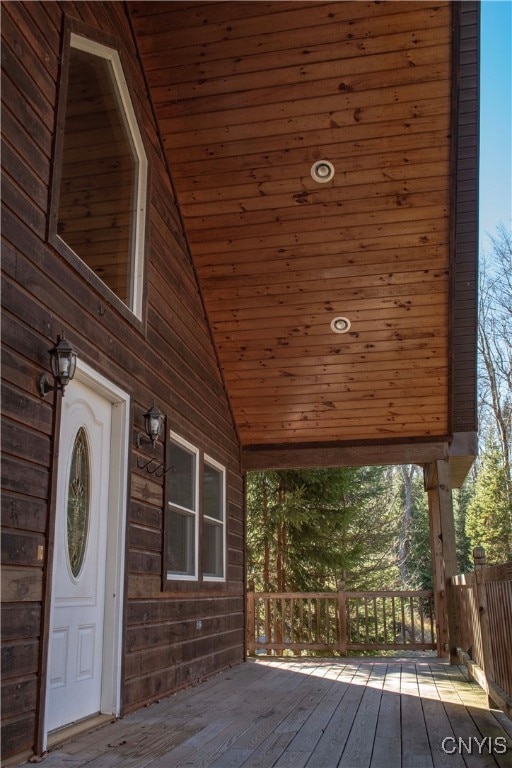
357, 713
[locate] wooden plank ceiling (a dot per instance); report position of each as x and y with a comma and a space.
248, 95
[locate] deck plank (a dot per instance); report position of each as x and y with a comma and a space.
300, 748
359, 747
303, 713
436, 721
415, 745
387, 747
467, 707
331, 744
254, 712
273, 746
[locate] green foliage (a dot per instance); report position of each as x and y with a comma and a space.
489, 512
420, 559
461, 499
411, 506
307, 529
489, 516
375, 530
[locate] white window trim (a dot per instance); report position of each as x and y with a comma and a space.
171, 575
215, 464
137, 266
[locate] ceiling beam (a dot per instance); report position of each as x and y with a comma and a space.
296, 457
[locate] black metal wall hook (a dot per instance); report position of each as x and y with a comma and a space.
146, 464
164, 471
159, 470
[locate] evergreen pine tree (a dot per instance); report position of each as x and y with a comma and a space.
489, 517
461, 499
307, 529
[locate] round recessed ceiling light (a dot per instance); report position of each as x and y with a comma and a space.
322, 171
340, 325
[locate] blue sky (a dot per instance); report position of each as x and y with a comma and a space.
495, 117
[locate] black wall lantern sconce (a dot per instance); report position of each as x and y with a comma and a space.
63, 365
153, 422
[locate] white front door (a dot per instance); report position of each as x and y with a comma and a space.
76, 656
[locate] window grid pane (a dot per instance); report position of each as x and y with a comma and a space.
181, 537
214, 513
213, 549
213, 504
183, 477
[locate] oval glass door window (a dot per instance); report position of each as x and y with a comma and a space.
78, 503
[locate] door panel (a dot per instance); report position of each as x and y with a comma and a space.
78, 594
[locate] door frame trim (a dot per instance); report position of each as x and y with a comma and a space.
116, 538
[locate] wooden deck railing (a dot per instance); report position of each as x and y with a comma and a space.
483, 604
341, 621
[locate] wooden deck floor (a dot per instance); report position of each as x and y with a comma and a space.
356, 714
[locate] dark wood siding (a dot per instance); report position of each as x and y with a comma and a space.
465, 261
168, 357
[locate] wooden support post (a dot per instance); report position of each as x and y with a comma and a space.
251, 620
449, 552
342, 609
480, 560
441, 615
444, 558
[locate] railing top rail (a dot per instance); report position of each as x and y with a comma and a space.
295, 595
393, 593
319, 595
463, 579
486, 574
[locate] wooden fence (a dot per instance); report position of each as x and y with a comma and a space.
483, 605
338, 622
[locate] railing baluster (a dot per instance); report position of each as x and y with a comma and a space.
268, 633
344, 619
422, 620
292, 621
259, 617
251, 627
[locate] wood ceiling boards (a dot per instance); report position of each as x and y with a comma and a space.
248, 95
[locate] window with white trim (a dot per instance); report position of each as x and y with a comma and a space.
214, 520
195, 526
183, 510
100, 187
